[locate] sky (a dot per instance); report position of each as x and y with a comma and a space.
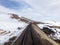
40, 10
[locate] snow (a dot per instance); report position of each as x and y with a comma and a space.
45, 25
9, 27
56, 35
53, 23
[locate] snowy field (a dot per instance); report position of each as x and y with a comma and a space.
56, 34
10, 27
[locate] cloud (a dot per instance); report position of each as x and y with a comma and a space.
48, 9
41, 10
7, 10
14, 4
10, 4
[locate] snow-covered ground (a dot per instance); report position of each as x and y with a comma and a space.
56, 35
9, 27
